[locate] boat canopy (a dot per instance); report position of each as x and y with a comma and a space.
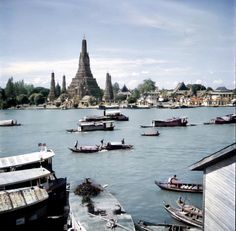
7, 122
117, 112
24, 159
15, 177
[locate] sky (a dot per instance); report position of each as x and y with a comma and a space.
168, 41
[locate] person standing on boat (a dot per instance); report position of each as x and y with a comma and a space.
123, 141
102, 142
76, 144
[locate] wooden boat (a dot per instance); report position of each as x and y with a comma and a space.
189, 208
180, 187
86, 149
23, 206
173, 122
227, 119
149, 226
92, 207
186, 217
116, 145
150, 133
9, 123
108, 115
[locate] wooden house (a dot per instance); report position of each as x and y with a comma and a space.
218, 188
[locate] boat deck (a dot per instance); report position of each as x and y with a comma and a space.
105, 204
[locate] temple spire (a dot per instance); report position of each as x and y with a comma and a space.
52, 93
108, 93
84, 46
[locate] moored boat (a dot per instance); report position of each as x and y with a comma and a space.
189, 208
186, 217
227, 119
96, 126
9, 123
116, 115
150, 133
180, 187
94, 208
149, 226
23, 207
173, 122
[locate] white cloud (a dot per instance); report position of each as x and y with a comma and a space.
218, 81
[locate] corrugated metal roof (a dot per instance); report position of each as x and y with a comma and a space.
8, 178
215, 157
13, 161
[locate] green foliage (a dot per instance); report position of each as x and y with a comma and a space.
22, 99
134, 96
10, 89
209, 89
39, 99
3, 104
31, 98
121, 97
196, 87
42, 90
147, 86
116, 88
63, 97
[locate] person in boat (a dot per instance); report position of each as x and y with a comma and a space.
76, 144
123, 141
102, 142
173, 180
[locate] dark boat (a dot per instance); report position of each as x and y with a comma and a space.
150, 133
96, 126
180, 187
86, 149
149, 226
186, 217
227, 119
116, 145
9, 123
173, 122
116, 115
23, 207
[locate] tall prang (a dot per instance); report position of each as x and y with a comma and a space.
63, 89
83, 83
52, 92
108, 93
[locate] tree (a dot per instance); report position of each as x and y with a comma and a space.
147, 86
10, 89
41, 90
22, 99
196, 87
116, 88
39, 99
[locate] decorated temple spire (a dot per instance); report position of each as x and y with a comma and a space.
52, 94
83, 83
63, 89
108, 93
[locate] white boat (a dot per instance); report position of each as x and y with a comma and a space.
95, 126
9, 123
102, 212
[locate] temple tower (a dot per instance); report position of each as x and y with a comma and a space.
108, 93
83, 83
52, 95
63, 89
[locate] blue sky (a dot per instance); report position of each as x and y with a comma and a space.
169, 41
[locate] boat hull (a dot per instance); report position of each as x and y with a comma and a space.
180, 187
85, 150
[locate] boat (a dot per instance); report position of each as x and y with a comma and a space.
189, 208
86, 149
35, 169
9, 123
150, 133
92, 207
116, 115
149, 226
104, 107
23, 207
95, 126
180, 187
116, 145
227, 119
173, 122
186, 217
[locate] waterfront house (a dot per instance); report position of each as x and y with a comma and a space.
218, 188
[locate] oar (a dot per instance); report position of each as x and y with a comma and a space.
105, 219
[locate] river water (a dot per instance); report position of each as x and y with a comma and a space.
130, 174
